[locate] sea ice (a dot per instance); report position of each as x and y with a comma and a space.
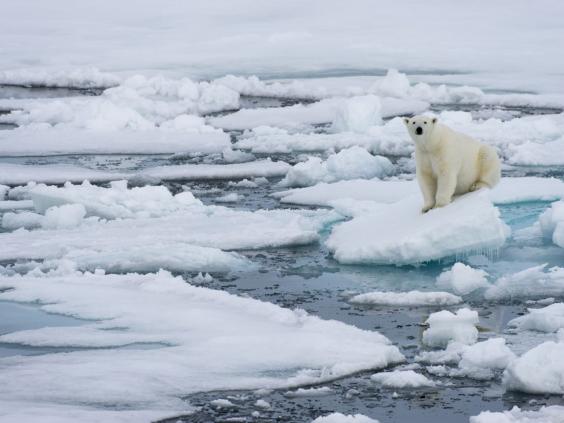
535, 282
351, 163
411, 298
538, 371
546, 319
207, 340
400, 234
445, 327
550, 414
402, 379
462, 279
344, 418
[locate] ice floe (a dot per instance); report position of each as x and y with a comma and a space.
19, 174
198, 249
344, 418
546, 319
40, 140
550, 414
533, 282
552, 223
207, 340
410, 298
445, 327
350, 163
399, 234
462, 279
538, 371
402, 379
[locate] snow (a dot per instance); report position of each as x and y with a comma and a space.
550, 414
358, 114
410, 298
535, 282
546, 319
400, 234
445, 326
342, 418
351, 163
462, 279
509, 190
538, 371
402, 379
207, 340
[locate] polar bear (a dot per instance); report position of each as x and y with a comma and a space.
449, 163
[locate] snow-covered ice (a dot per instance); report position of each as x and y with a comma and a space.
549, 414
546, 319
410, 298
400, 234
351, 163
535, 282
205, 340
344, 418
462, 279
402, 379
445, 327
552, 223
539, 370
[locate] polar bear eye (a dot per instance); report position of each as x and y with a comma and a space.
425, 123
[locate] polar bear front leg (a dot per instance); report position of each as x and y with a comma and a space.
446, 185
428, 185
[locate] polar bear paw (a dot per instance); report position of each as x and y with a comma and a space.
427, 207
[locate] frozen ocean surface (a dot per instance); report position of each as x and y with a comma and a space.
247, 246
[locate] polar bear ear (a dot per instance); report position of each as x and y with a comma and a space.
406, 121
434, 120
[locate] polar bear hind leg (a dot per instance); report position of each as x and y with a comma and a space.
490, 169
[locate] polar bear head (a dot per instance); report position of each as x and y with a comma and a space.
420, 128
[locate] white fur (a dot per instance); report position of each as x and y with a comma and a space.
449, 163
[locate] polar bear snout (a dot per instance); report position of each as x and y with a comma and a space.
419, 130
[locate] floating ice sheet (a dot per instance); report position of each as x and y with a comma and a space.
400, 234
209, 339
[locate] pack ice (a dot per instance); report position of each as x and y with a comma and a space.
144, 229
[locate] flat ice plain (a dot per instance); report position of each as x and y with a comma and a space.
208, 213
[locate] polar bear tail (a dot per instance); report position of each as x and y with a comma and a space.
490, 168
